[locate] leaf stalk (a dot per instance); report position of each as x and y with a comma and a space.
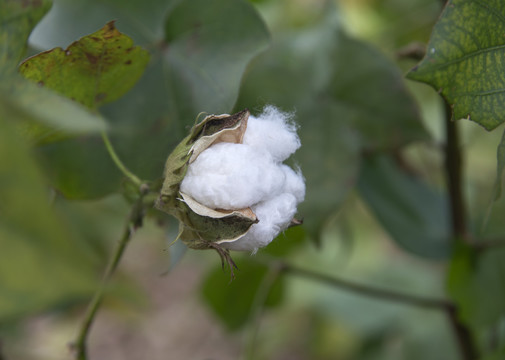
117, 161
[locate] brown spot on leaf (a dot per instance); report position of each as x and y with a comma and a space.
91, 58
100, 97
128, 62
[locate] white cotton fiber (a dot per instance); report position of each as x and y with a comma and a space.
237, 176
274, 132
274, 215
232, 176
295, 183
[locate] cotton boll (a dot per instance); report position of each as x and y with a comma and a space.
273, 132
274, 215
233, 176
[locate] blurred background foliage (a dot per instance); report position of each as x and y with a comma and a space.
375, 212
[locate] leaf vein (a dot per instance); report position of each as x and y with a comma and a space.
468, 56
490, 10
480, 93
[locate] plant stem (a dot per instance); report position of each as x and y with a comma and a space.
465, 340
122, 167
258, 304
487, 244
378, 293
453, 166
135, 219
2, 357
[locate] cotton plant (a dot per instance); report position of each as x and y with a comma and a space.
227, 184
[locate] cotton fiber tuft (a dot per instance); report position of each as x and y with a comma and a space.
251, 174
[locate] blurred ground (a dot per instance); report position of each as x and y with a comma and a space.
174, 324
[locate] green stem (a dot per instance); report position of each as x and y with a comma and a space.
122, 167
258, 305
135, 219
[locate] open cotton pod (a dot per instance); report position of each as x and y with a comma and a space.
227, 184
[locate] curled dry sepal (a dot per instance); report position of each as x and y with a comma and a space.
227, 185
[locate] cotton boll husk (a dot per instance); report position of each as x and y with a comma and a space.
274, 132
274, 215
233, 176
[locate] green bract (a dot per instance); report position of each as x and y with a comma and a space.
200, 226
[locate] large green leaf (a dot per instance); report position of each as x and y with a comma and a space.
33, 108
347, 98
415, 215
463, 61
147, 122
234, 301
42, 263
96, 69
208, 48
142, 20
17, 19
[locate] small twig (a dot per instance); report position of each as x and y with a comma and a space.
453, 166
117, 161
414, 51
135, 219
454, 173
2, 357
463, 334
383, 294
465, 339
487, 244
258, 306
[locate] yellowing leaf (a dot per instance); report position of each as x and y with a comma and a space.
96, 69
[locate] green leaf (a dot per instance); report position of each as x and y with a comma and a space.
42, 263
415, 215
17, 19
209, 46
31, 107
80, 169
142, 20
347, 98
96, 69
233, 302
147, 122
33, 110
476, 282
463, 61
